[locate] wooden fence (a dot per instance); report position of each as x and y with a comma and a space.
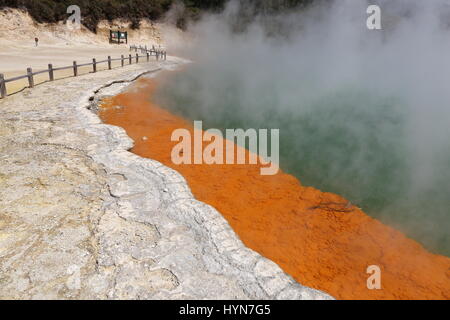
159, 54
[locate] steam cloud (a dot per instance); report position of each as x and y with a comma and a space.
363, 113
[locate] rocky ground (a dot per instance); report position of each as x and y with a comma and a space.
81, 217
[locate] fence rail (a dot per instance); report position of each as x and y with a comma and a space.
158, 52
147, 53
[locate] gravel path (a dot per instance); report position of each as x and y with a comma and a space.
81, 217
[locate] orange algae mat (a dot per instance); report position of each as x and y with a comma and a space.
318, 238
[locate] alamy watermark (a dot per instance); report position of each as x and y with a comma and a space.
74, 20
374, 20
212, 147
374, 280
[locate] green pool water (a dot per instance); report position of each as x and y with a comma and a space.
348, 141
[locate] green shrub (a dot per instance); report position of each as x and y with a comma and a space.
132, 10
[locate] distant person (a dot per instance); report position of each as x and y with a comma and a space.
36, 40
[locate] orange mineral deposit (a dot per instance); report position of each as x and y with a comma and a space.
319, 238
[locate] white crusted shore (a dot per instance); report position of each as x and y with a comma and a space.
83, 218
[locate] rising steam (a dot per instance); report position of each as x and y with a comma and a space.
363, 113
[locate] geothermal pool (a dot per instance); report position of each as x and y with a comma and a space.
363, 117
319, 238
348, 141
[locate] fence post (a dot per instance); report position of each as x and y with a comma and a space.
94, 65
137, 57
2, 86
75, 69
30, 77
109, 62
121, 60
157, 55
148, 57
50, 72
129, 59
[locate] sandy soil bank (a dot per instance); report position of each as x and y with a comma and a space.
14, 61
319, 238
60, 46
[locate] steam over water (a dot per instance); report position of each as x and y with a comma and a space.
364, 114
